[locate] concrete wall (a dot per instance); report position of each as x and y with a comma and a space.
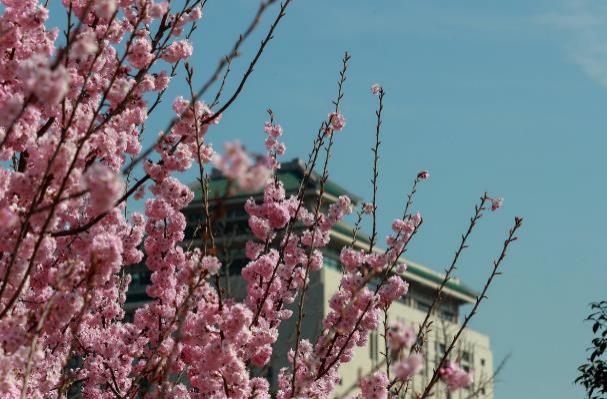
473, 345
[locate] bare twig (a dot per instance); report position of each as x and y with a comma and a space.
478, 213
483, 295
375, 151
312, 159
203, 122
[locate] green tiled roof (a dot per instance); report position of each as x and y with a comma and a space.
413, 268
452, 284
290, 175
455, 285
346, 229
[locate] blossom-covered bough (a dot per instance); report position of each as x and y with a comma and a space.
72, 121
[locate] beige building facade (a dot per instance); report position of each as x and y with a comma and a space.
473, 351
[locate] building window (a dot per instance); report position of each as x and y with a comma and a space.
423, 305
237, 265
448, 315
482, 362
236, 213
373, 347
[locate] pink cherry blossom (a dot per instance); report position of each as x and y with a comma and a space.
157, 10
368, 208
51, 86
400, 335
274, 131
139, 55
105, 8
423, 175
351, 258
210, 264
237, 164
375, 386
496, 203
455, 377
177, 51
336, 121
392, 290
409, 367
105, 187
80, 156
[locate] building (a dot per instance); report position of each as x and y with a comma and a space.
473, 350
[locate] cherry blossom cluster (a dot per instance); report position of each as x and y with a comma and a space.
236, 164
400, 337
375, 386
455, 377
275, 275
407, 368
69, 119
354, 313
496, 203
336, 122
72, 119
273, 145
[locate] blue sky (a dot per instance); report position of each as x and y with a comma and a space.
507, 97
503, 96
